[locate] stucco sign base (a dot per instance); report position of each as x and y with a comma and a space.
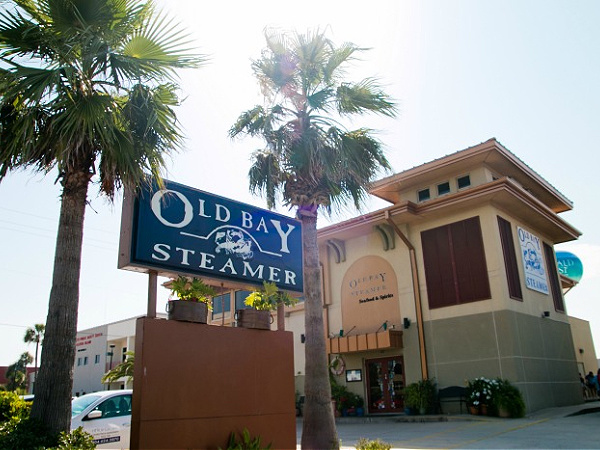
195, 384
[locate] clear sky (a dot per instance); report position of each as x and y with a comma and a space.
523, 71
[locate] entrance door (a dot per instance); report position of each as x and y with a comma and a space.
385, 381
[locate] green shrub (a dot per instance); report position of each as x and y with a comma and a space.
21, 434
509, 398
344, 398
75, 440
420, 395
13, 407
245, 443
377, 444
30, 434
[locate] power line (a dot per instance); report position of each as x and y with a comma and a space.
85, 239
52, 219
12, 325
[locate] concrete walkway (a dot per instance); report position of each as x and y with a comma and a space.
571, 427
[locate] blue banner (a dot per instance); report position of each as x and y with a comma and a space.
181, 229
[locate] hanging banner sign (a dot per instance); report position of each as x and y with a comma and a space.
178, 229
533, 261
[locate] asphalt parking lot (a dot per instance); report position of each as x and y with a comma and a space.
572, 427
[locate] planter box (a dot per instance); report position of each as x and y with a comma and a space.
187, 311
251, 318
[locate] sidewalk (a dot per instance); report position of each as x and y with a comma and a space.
574, 427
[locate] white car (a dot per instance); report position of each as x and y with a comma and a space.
106, 415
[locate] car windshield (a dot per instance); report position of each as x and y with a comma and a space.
80, 403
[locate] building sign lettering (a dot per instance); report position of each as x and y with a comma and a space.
86, 340
181, 229
367, 285
369, 292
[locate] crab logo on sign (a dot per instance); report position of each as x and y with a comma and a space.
181, 229
233, 242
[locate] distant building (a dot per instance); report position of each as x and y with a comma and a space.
30, 375
585, 351
100, 349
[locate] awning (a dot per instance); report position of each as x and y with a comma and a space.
365, 342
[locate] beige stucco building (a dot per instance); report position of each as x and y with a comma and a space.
456, 280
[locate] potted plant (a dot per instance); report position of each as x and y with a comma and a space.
508, 400
193, 300
411, 399
360, 406
262, 302
420, 396
480, 394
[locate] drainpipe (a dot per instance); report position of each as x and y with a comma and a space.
416, 291
325, 273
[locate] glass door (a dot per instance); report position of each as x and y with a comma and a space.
385, 382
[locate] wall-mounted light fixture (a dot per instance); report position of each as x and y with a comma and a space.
303, 338
406, 323
383, 326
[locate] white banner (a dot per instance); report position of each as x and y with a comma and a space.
533, 261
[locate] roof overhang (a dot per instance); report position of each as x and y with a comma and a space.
489, 154
503, 193
365, 342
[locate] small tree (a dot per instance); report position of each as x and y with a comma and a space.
16, 374
123, 370
35, 334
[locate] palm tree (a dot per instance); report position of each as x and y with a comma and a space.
87, 88
124, 369
16, 373
313, 163
35, 334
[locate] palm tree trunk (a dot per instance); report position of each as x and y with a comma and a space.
52, 403
37, 347
318, 429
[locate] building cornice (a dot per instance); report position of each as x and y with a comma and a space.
503, 193
490, 154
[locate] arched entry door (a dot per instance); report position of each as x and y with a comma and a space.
385, 382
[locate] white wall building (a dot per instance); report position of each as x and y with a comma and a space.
98, 350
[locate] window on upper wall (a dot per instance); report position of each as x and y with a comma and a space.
553, 278
97, 359
240, 297
423, 195
443, 188
510, 259
463, 182
221, 303
455, 267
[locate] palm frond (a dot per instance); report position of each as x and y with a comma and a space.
265, 176
337, 58
19, 35
309, 156
364, 96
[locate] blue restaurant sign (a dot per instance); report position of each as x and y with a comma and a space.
181, 230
